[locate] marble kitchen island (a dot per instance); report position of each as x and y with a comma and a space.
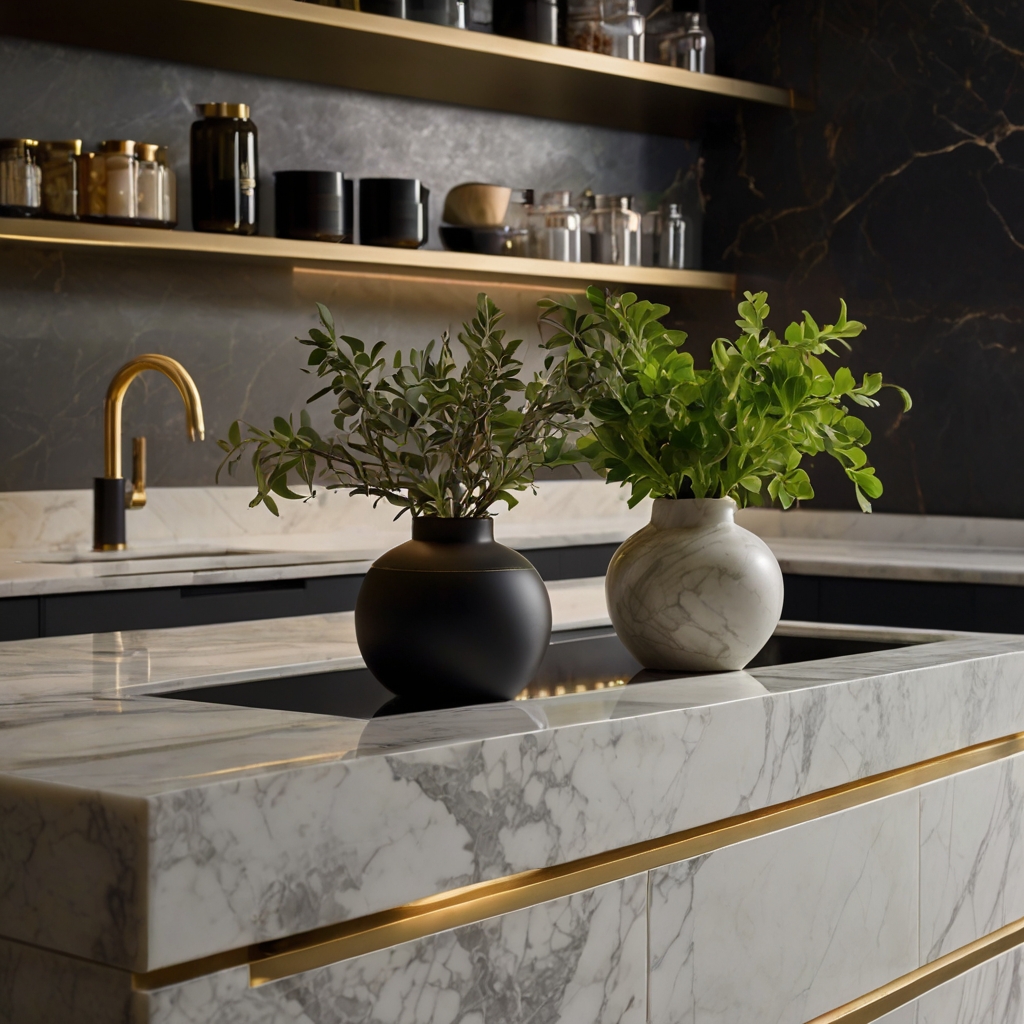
753, 846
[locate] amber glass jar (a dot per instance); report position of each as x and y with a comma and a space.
224, 169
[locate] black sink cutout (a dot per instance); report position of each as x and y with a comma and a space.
576, 661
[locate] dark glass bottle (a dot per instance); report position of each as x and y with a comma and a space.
225, 170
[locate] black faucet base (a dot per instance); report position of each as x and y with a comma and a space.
108, 514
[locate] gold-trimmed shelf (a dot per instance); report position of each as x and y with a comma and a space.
355, 50
354, 260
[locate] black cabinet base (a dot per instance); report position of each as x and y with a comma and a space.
23, 618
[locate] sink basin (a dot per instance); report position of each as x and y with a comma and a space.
143, 554
577, 661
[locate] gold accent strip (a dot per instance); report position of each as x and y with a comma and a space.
915, 984
272, 961
326, 257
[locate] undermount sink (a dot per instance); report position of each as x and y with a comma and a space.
577, 661
140, 554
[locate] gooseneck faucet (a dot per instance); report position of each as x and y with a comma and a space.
110, 495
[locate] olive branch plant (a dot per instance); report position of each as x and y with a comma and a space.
669, 430
423, 434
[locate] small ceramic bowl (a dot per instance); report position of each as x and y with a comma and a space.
476, 206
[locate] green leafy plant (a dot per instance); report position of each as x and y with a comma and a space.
424, 434
670, 430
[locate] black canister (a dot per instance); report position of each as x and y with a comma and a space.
542, 21
393, 211
316, 205
225, 169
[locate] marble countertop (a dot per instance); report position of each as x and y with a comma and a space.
142, 832
193, 536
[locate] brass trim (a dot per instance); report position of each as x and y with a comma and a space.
272, 961
326, 257
911, 986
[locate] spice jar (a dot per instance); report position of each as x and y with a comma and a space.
154, 188
59, 170
169, 182
615, 231
555, 228
20, 178
614, 27
115, 172
224, 169
517, 220
665, 238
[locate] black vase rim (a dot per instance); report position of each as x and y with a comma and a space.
453, 530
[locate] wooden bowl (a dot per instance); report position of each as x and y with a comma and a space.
475, 205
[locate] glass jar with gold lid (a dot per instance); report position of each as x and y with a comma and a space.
225, 169
20, 178
59, 167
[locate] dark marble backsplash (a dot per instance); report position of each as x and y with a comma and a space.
904, 193
67, 321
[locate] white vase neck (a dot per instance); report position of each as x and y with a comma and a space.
688, 513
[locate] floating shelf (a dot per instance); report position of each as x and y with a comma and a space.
351, 260
329, 46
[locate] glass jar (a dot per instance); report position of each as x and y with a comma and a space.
615, 235
555, 228
20, 178
665, 238
169, 182
614, 27
60, 178
438, 12
118, 181
695, 47
517, 220
224, 169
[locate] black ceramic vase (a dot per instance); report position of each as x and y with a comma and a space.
452, 617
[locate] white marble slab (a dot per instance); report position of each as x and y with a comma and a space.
248, 825
577, 960
786, 926
972, 856
990, 993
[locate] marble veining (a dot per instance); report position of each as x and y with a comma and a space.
972, 855
778, 929
252, 825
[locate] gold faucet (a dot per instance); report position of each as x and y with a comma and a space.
111, 496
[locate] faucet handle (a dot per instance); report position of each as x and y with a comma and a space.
135, 496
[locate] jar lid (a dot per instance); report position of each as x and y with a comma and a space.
560, 197
126, 146
147, 151
65, 147
239, 110
613, 202
522, 196
19, 144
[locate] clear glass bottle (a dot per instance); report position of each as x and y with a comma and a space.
150, 184
555, 228
169, 183
666, 239
614, 27
692, 47
20, 178
225, 169
517, 220
120, 181
615, 237
59, 167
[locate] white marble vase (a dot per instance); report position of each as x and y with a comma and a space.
692, 591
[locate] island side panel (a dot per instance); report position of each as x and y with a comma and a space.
789, 925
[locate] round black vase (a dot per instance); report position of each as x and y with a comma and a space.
453, 617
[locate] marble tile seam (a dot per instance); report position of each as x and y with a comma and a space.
891, 996
321, 947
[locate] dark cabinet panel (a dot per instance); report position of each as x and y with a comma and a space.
22, 618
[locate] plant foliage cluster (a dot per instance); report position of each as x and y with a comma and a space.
739, 429
423, 433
